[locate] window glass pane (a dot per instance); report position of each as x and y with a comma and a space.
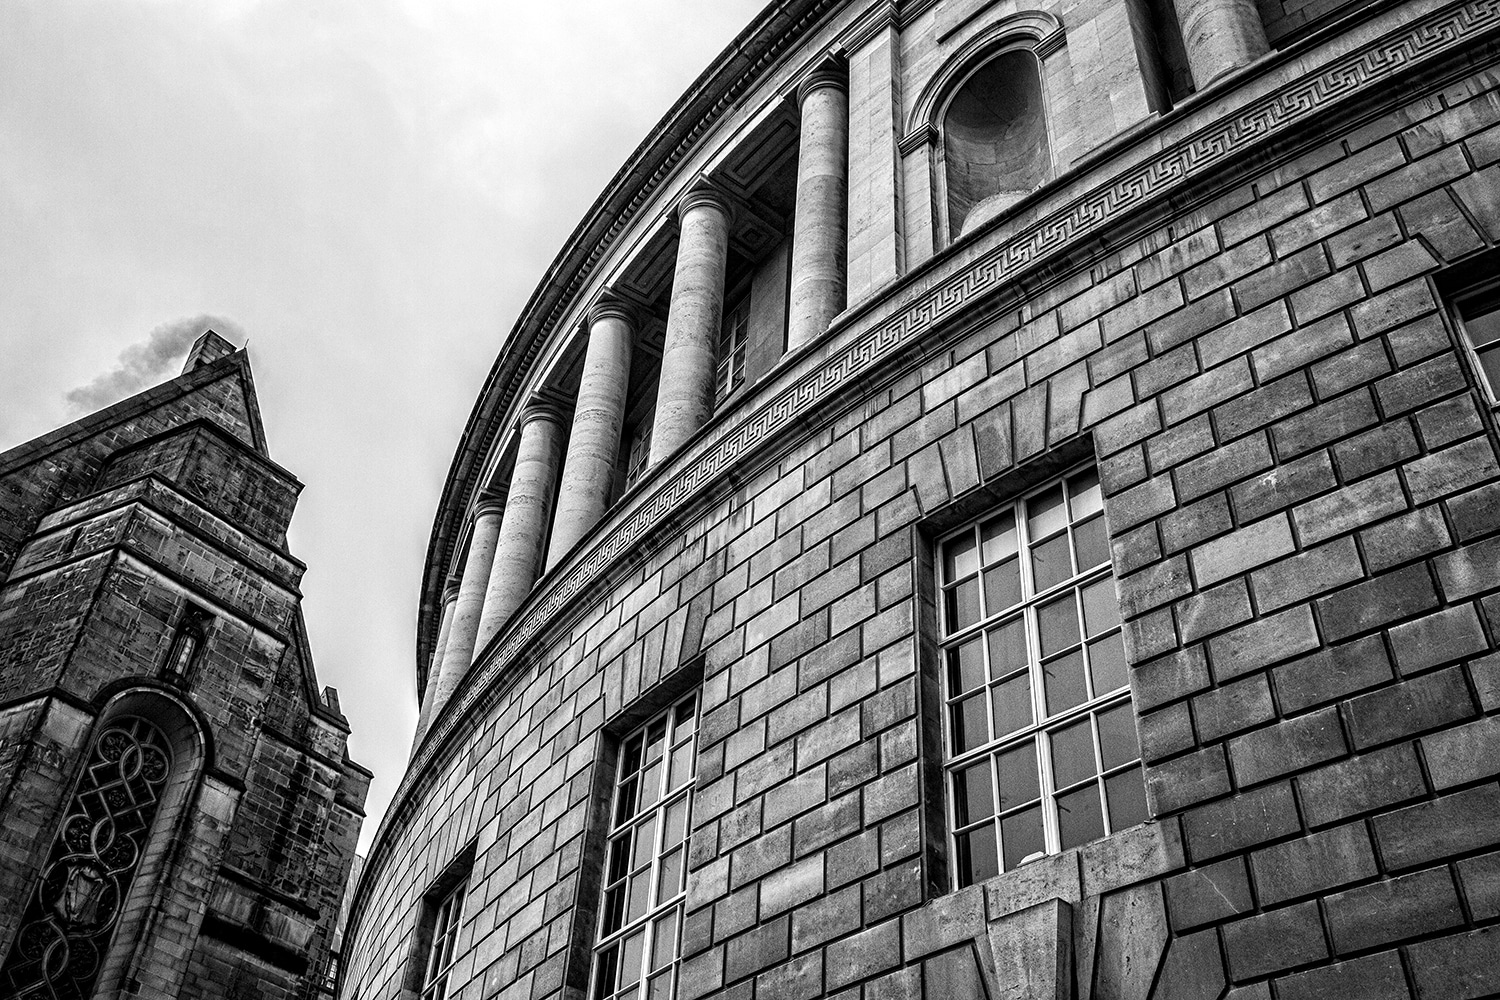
1079, 818
973, 799
1018, 776
669, 880
664, 940
998, 538
1084, 495
1063, 680
1107, 663
1023, 837
1045, 513
963, 605
1058, 624
682, 765
1007, 647
1489, 360
1002, 586
966, 667
661, 987
607, 965
1100, 610
1050, 563
630, 958
675, 827
686, 717
614, 909
645, 843
640, 896
1091, 543
960, 557
1072, 754
1127, 799
1483, 328
1013, 705
970, 724
977, 859
656, 738
619, 858
1117, 739
651, 785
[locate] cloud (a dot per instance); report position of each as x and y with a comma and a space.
153, 360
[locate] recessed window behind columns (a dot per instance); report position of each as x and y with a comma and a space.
995, 149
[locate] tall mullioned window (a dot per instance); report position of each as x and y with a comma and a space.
1041, 749
640, 921
447, 916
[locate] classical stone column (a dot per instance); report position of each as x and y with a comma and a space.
594, 442
458, 654
528, 511
435, 668
818, 235
1220, 36
685, 399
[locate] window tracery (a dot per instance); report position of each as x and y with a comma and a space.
78, 900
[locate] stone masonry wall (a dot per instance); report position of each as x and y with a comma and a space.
1304, 502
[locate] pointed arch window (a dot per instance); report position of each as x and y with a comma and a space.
187, 646
76, 905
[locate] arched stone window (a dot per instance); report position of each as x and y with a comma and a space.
113, 850
80, 897
995, 148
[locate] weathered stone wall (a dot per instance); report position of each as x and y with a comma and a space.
1304, 502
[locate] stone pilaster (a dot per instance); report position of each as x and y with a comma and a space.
458, 654
594, 442
429, 693
528, 511
685, 400
876, 252
1220, 36
818, 281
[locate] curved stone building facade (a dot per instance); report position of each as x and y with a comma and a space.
994, 500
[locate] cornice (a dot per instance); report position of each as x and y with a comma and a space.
1185, 168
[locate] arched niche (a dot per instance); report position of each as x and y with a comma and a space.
994, 133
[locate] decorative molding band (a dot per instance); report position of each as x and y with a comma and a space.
1347, 76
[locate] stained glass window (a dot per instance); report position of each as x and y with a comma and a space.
77, 902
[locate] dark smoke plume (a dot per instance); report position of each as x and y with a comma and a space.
153, 360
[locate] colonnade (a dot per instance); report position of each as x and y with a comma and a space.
509, 531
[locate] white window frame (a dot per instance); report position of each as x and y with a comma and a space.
666, 822
1042, 726
442, 952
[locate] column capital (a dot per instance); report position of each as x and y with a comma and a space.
541, 409
831, 72
704, 192
611, 306
450, 590
490, 504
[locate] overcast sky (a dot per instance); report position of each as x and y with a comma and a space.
366, 189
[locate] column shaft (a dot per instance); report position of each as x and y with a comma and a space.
1220, 36
685, 399
594, 442
458, 654
819, 232
528, 511
435, 668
